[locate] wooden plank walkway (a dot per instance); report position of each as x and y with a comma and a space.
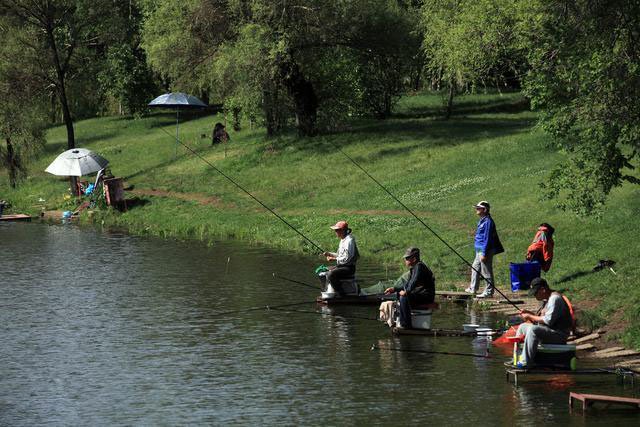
16, 217
515, 373
434, 332
589, 399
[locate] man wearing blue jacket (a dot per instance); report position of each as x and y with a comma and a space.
487, 244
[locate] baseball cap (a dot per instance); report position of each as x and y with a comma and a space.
483, 204
537, 284
340, 225
412, 252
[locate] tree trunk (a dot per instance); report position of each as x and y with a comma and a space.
452, 92
12, 164
269, 113
304, 97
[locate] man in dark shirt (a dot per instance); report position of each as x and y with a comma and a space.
418, 290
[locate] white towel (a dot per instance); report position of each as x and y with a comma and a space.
386, 312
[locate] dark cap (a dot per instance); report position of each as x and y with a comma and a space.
537, 284
412, 252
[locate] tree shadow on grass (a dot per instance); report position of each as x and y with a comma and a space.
422, 133
510, 105
81, 142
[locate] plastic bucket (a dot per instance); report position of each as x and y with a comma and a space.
522, 274
421, 319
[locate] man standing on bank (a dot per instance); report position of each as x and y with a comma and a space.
345, 258
487, 245
419, 289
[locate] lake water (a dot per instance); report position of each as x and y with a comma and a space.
108, 329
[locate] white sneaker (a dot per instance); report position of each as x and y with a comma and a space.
470, 291
484, 295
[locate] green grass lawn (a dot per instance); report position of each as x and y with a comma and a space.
490, 149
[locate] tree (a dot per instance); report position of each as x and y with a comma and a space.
298, 59
62, 36
585, 79
469, 42
21, 110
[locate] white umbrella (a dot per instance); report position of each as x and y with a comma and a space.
77, 162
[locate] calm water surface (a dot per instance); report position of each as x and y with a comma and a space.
108, 329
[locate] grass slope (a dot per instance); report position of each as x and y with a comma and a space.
490, 149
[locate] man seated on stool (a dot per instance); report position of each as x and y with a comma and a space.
418, 290
552, 326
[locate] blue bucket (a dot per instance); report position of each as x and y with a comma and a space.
522, 274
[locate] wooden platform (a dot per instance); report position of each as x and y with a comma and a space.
433, 332
513, 372
453, 295
16, 217
589, 399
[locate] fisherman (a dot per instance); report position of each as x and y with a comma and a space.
420, 289
487, 244
345, 258
552, 326
541, 249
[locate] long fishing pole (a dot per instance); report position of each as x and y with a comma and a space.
422, 222
320, 313
260, 307
247, 192
276, 276
448, 353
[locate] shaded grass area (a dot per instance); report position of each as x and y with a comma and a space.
489, 150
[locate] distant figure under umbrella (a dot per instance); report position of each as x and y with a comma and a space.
541, 249
219, 134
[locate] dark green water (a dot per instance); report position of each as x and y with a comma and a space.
108, 329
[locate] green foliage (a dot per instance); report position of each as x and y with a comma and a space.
21, 110
469, 43
326, 59
585, 78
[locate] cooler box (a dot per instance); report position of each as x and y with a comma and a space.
522, 274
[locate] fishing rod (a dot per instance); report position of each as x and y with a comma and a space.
244, 190
448, 353
260, 307
422, 222
319, 313
276, 276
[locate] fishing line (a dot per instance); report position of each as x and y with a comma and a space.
422, 222
448, 353
260, 307
276, 276
244, 190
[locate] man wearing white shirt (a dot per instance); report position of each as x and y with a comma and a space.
345, 258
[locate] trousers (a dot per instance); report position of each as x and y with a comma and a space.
536, 334
486, 270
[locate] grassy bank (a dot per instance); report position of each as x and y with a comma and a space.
490, 149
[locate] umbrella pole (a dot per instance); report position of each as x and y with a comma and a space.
177, 130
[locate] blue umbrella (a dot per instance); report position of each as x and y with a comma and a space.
177, 101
